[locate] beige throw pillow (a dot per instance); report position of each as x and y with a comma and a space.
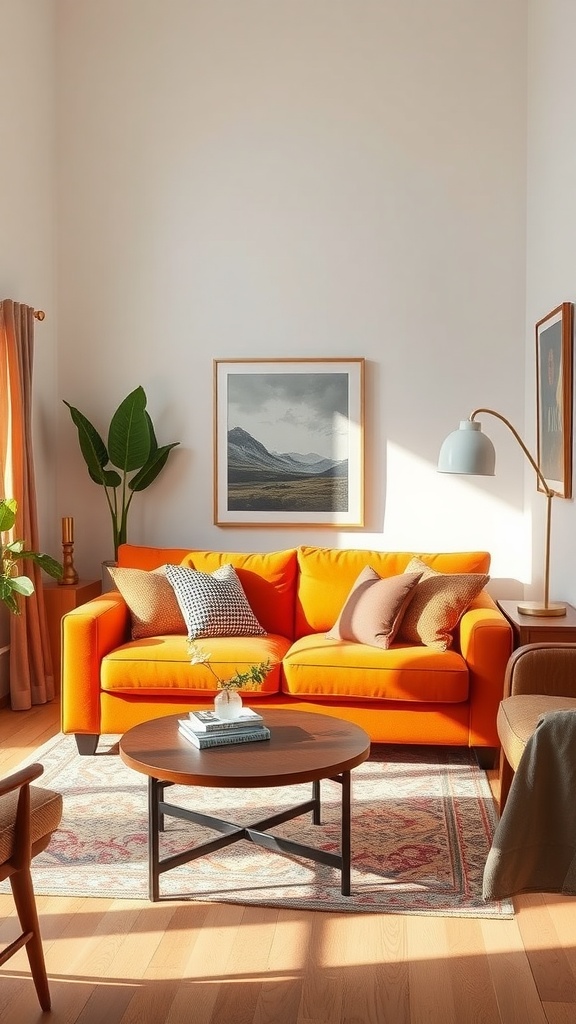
373, 609
151, 599
437, 604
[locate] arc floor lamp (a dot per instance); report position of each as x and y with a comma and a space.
468, 451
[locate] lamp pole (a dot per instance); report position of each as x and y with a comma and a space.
534, 607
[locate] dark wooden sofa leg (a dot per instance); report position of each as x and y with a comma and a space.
86, 742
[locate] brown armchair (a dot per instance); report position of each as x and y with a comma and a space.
539, 678
28, 817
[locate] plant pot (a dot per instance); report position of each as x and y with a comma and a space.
107, 581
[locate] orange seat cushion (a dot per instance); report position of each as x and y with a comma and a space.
322, 669
160, 665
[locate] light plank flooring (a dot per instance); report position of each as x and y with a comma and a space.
131, 962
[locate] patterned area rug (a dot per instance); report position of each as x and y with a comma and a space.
422, 825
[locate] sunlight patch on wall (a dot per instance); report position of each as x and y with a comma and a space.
430, 511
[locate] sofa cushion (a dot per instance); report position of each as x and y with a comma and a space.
326, 670
213, 604
326, 576
373, 609
160, 666
151, 599
437, 604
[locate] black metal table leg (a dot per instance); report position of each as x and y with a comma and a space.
345, 839
155, 791
316, 798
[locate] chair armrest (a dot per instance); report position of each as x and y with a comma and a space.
20, 778
89, 632
486, 642
545, 668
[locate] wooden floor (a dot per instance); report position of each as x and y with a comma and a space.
128, 961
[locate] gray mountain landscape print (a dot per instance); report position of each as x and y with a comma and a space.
287, 442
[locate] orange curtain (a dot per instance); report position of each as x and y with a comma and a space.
31, 674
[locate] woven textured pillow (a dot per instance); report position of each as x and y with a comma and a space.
213, 604
154, 609
373, 609
437, 605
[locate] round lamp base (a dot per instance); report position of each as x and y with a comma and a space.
536, 608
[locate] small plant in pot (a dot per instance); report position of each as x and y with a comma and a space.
13, 551
131, 448
228, 702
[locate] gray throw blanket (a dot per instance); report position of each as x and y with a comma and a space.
534, 845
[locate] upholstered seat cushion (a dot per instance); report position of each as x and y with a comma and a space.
161, 665
322, 669
518, 717
45, 814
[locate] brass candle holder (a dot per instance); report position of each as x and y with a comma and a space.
69, 574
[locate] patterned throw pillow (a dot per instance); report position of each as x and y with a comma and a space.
437, 605
154, 609
373, 609
213, 604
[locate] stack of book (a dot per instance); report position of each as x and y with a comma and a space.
206, 729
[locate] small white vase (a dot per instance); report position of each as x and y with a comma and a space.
228, 704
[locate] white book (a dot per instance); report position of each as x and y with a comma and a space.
224, 738
208, 721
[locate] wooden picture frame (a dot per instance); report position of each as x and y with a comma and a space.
554, 347
289, 442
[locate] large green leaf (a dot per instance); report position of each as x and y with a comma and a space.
150, 471
22, 585
129, 434
7, 596
8, 509
91, 445
46, 562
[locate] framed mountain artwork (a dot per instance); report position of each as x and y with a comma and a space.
289, 442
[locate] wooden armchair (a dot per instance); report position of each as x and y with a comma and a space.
539, 678
28, 817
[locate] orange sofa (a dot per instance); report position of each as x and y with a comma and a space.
409, 693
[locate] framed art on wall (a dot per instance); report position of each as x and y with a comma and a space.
289, 442
554, 346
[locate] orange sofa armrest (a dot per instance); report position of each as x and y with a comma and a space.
89, 632
486, 643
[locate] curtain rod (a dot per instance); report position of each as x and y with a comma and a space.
39, 314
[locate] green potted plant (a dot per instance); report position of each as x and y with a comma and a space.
131, 448
11, 552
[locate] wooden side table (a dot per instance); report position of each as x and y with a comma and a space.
533, 629
59, 599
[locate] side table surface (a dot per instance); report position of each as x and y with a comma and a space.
533, 629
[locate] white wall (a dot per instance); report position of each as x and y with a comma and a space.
302, 178
27, 221
551, 238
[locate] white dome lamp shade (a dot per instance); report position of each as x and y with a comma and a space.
470, 452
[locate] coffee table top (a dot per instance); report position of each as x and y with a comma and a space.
303, 747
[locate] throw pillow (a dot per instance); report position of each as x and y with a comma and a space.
154, 610
213, 604
437, 604
373, 609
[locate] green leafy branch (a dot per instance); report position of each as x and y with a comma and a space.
251, 679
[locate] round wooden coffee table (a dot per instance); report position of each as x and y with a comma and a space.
304, 747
